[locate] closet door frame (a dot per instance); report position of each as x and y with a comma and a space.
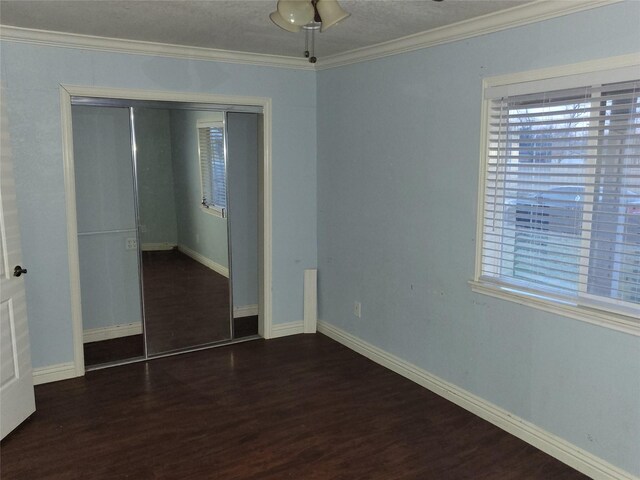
264, 192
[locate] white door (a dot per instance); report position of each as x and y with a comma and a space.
16, 382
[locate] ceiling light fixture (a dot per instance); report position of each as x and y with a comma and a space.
310, 16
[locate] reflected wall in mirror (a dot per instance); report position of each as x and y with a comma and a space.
161, 194
185, 259
106, 224
243, 179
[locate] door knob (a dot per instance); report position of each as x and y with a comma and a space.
19, 271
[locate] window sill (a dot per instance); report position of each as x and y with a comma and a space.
614, 321
215, 211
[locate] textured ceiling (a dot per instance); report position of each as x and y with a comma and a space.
240, 24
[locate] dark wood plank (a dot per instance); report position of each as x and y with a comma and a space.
301, 407
116, 349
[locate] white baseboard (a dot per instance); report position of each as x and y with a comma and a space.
564, 451
207, 262
245, 311
54, 373
153, 247
113, 331
285, 329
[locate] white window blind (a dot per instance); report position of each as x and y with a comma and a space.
212, 165
561, 211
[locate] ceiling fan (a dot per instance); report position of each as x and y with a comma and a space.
309, 16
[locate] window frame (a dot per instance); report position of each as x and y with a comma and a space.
212, 209
560, 77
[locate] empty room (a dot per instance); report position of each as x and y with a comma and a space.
320, 239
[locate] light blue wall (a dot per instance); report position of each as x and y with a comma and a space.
31, 75
398, 157
156, 199
198, 229
242, 173
104, 197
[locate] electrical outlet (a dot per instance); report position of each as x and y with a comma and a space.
132, 243
357, 309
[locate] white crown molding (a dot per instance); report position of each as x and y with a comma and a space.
492, 22
574, 456
136, 47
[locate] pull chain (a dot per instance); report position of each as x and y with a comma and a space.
310, 41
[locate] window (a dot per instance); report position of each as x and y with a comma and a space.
560, 218
212, 165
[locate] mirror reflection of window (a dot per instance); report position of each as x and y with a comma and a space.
212, 165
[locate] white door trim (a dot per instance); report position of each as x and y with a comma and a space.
265, 199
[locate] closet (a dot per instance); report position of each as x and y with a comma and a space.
167, 222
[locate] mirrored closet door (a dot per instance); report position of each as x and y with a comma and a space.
167, 202
107, 235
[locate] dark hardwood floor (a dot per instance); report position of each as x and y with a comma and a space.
113, 350
301, 407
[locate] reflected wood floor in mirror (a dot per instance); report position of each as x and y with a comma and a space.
131, 347
301, 407
245, 326
183, 310
186, 303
